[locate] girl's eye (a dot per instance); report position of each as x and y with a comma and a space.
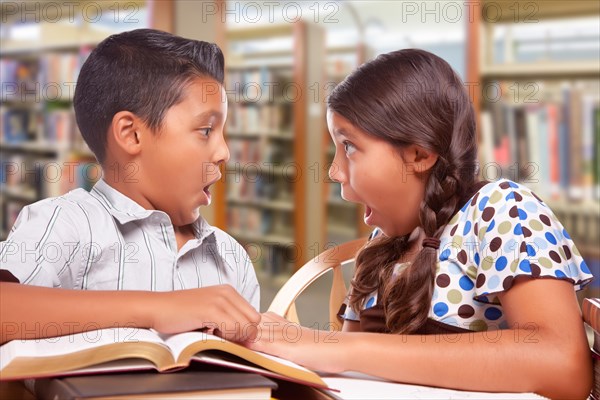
349, 148
205, 131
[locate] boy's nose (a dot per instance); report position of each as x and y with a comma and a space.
222, 152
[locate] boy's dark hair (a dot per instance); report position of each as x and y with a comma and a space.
143, 71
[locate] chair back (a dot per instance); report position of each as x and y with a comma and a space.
331, 259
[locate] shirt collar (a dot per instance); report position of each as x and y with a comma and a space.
125, 210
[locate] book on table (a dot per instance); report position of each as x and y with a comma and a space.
150, 385
130, 349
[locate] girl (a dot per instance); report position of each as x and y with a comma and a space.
487, 263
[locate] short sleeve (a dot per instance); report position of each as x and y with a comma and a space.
519, 235
42, 245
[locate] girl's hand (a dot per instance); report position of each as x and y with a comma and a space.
314, 349
219, 309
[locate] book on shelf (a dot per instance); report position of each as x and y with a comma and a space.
551, 146
133, 349
183, 385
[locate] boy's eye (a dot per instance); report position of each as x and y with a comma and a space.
349, 148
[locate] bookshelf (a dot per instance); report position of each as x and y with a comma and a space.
344, 220
272, 200
538, 111
42, 151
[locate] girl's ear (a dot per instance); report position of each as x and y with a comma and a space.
125, 134
422, 159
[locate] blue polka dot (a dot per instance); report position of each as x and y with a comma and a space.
493, 282
492, 224
476, 257
510, 196
566, 234
531, 206
444, 255
483, 202
501, 263
454, 269
584, 268
572, 270
493, 313
440, 309
530, 250
467, 228
522, 214
512, 184
466, 283
450, 321
559, 274
465, 206
518, 229
370, 302
510, 246
540, 243
550, 237
525, 266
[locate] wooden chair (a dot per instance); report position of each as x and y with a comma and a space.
331, 259
591, 316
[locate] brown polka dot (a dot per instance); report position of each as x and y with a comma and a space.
514, 212
465, 311
442, 280
495, 244
453, 230
480, 280
523, 247
488, 213
462, 256
474, 200
526, 231
535, 270
518, 197
476, 228
554, 256
544, 218
536, 196
567, 251
504, 185
507, 283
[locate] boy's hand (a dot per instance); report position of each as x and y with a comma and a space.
220, 309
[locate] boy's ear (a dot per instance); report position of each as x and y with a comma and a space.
125, 132
422, 159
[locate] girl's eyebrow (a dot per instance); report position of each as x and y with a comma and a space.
343, 132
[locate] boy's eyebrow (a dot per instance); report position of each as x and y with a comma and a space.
208, 114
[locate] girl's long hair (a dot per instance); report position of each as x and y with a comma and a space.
411, 97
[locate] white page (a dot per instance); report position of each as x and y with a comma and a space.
365, 389
177, 343
73, 343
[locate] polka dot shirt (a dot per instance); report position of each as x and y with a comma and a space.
502, 232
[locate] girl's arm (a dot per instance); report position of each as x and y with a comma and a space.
28, 312
545, 351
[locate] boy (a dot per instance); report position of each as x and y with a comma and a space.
152, 107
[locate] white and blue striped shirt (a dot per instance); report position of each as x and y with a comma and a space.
103, 240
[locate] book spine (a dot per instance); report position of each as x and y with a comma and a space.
53, 389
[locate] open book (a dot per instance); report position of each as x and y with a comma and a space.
123, 349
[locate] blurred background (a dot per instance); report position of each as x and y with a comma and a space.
532, 70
